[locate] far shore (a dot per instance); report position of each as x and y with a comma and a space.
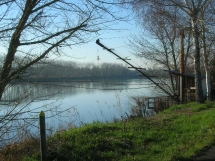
78, 79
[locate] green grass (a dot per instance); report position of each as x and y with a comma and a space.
178, 133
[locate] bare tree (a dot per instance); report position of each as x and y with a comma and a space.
32, 30
192, 8
35, 29
159, 43
207, 33
192, 13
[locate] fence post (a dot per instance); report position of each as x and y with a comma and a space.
42, 136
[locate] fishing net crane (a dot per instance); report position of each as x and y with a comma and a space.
137, 69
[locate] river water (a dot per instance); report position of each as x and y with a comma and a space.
72, 103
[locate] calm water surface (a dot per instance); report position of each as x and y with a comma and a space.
75, 103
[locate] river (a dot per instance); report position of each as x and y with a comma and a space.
69, 104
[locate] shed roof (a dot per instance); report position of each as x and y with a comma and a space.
176, 72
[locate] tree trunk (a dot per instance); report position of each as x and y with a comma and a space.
207, 70
208, 82
2, 88
197, 68
14, 44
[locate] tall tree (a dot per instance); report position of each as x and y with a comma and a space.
195, 9
207, 33
192, 10
31, 31
160, 41
35, 29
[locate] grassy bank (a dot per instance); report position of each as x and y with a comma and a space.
179, 133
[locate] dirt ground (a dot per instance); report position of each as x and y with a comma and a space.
207, 155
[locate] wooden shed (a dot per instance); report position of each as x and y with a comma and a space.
185, 86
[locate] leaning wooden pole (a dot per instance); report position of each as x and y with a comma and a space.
137, 69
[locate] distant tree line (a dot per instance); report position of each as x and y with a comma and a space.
68, 70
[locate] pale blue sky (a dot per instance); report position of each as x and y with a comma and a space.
115, 39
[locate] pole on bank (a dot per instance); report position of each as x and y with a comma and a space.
42, 136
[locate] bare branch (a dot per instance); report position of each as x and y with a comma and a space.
54, 35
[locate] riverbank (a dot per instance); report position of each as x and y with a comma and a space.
181, 132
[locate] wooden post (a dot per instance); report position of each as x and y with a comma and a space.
182, 51
182, 65
42, 135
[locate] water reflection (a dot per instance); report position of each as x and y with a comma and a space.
73, 103
43, 91
92, 100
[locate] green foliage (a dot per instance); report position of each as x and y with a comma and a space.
29, 159
178, 133
193, 106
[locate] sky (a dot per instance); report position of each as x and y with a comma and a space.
114, 39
